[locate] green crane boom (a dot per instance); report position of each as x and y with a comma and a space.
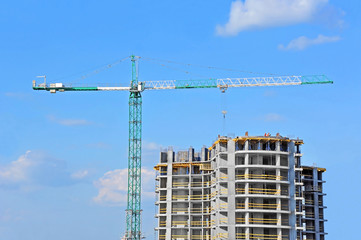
133, 211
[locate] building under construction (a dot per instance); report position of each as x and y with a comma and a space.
240, 188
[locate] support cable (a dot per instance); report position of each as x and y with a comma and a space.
93, 72
175, 69
208, 67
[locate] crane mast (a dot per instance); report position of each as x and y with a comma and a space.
133, 210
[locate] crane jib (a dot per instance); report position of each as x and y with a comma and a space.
223, 83
67, 88
187, 87
320, 82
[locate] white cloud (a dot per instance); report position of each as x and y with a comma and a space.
34, 169
113, 186
16, 171
303, 42
69, 122
253, 14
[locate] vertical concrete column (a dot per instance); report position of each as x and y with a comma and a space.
246, 145
246, 187
190, 154
292, 190
316, 203
246, 162
202, 206
217, 200
189, 177
214, 202
278, 160
279, 234
231, 189
278, 187
278, 146
204, 154
279, 202
246, 230
170, 158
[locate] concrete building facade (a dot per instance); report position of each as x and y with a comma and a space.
239, 188
313, 206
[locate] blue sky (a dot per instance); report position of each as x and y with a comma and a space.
63, 157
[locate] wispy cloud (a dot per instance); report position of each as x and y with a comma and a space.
113, 185
81, 174
303, 42
271, 117
35, 169
151, 151
152, 146
269, 93
99, 145
18, 95
9, 215
69, 122
254, 14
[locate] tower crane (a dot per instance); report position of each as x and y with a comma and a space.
135, 89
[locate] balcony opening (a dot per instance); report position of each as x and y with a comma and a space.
284, 146
269, 160
253, 145
239, 160
239, 146
284, 161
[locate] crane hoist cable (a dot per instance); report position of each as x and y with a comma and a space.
224, 110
